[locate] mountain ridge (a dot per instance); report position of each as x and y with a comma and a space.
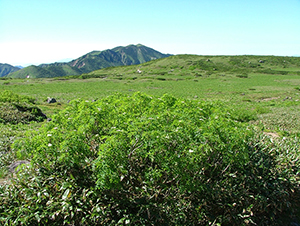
95, 60
6, 69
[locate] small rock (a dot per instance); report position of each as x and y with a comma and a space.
287, 98
51, 100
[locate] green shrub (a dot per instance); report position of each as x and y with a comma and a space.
244, 75
161, 79
243, 114
87, 76
140, 160
10, 97
20, 113
16, 109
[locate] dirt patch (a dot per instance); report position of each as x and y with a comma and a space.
270, 98
82, 65
270, 134
74, 63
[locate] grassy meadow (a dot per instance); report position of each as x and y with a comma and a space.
260, 94
231, 80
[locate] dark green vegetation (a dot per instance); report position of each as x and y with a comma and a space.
18, 113
128, 55
221, 148
16, 109
141, 160
5, 69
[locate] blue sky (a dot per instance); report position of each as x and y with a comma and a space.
45, 31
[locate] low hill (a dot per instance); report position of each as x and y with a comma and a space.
177, 66
5, 69
128, 55
40, 72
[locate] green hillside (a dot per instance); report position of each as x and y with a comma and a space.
31, 72
5, 69
194, 66
129, 55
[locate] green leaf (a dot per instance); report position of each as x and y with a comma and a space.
66, 194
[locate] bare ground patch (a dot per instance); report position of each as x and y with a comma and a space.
270, 98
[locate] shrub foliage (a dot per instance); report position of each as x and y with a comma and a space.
16, 109
141, 160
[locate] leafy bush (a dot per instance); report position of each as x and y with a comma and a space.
140, 160
10, 97
161, 79
16, 109
243, 114
87, 76
244, 75
20, 113
8, 134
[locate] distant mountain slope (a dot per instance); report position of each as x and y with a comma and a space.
128, 55
5, 69
44, 72
31, 71
138, 54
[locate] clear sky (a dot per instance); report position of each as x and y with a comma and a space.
45, 31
